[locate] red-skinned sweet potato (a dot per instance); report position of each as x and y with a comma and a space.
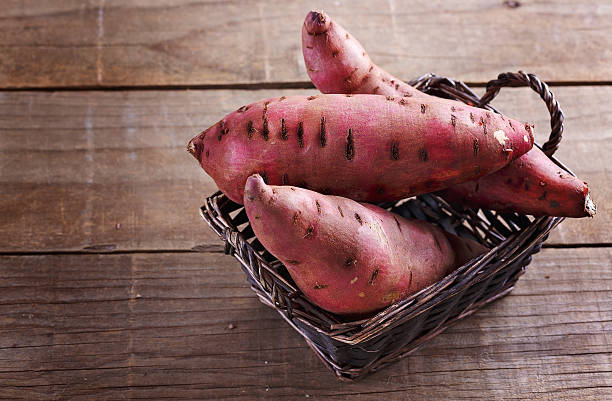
337, 63
347, 257
365, 147
531, 184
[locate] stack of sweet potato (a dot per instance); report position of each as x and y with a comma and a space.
301, 165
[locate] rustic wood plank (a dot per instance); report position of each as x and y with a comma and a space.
186, 42
156, 325
109, 170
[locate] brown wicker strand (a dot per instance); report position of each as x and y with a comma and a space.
522, 79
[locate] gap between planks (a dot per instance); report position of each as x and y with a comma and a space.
220, 249
236, 86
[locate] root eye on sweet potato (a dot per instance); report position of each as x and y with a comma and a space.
365, 147
347, 257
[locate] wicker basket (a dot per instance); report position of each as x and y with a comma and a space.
352, 349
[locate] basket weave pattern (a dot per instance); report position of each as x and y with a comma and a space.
353, 348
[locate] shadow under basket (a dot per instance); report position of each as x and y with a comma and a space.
353, 348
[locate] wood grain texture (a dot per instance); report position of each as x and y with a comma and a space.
186, 42
109, 170
154, 326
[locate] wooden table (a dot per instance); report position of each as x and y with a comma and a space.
114, 288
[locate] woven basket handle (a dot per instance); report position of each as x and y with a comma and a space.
513, 79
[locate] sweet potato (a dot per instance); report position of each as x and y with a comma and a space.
347, 257
532, 184
337, 63
365, 147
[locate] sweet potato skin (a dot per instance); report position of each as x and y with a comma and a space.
347, 257
365, 147
531, 184
337, 63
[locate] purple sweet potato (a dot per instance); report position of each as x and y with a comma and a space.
531, 184
364, 147
337, 63
347, 257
